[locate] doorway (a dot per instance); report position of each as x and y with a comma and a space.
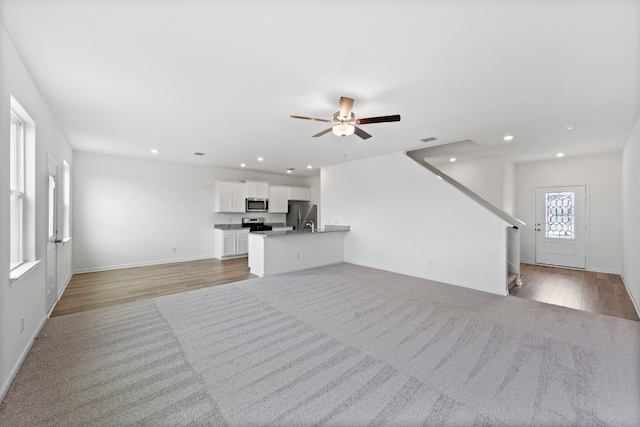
52, 236
561, 226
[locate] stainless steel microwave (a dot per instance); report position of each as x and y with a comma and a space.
257, 205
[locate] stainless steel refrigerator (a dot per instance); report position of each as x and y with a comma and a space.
302, 217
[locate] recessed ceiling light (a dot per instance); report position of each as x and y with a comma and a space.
290, 170
154, 151
508, 137
260, 159
242, 165
198, 153
570, 126
560, 155
309, 167
453, 159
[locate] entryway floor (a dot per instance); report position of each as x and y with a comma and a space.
582, 290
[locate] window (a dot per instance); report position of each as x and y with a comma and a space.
22, 190
560, 218
66, 201
17, 179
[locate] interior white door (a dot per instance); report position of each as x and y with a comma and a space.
561, 226
52, 237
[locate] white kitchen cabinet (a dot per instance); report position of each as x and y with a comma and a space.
239, 196
278, 199
257, 189
231, 243
300, 193
294, 193
305, 194
230, 196
242, 241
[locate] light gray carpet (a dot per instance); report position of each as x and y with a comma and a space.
339, 345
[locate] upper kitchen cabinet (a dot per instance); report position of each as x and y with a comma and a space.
278, 199
300, 193
230, 196
257, 189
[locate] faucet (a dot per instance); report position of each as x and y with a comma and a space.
310, 224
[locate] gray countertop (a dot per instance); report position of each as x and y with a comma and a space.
325, 229
239, 226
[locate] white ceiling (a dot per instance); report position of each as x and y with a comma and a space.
222, 77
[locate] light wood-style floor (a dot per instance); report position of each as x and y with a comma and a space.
582, 290
88, 291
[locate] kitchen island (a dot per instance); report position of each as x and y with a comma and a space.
276, 252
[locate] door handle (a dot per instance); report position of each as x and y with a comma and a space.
58, 241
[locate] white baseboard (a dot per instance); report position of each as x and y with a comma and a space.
60, 295
633, 300
65, 286
595, 270
139, 264
20, 361
604, 270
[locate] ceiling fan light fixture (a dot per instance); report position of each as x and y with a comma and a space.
343, 129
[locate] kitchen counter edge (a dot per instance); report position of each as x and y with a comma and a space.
240, 227
326, 229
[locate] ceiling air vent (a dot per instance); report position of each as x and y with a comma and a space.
431, 138
197, 153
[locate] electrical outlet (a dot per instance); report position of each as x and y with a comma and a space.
175, 249
22, 325
431, 263
298, 255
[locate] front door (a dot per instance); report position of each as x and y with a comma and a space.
561, 226
52, 236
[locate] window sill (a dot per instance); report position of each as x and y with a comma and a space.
21, 271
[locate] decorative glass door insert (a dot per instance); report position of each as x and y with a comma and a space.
560, 215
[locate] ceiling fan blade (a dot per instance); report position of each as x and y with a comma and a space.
346, 105
362, 134
323, 132
310, 118
380, 119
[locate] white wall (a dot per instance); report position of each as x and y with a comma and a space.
483, 176
26, 298
631, 214
131, 211
406, 220
602, 174
509, 186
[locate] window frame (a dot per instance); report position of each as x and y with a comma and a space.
22, 230
66, 201
17, 191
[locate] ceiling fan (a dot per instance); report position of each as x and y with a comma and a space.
344, 121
